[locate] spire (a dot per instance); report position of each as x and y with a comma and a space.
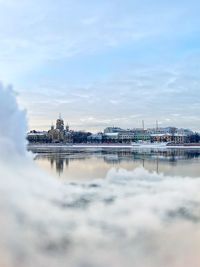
156, 125
67, 127
143, 125
52, 126
60, 123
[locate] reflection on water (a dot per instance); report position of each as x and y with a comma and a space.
92, 164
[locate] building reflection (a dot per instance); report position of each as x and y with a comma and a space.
59, 162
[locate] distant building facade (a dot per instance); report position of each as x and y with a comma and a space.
62, 134
168, 137
112, 130
58, 134
141, 135
38, 137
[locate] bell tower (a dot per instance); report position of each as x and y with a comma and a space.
60, 123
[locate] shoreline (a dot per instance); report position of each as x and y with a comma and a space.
71, 146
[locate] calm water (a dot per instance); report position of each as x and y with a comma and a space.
88, 164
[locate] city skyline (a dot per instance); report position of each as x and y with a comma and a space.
156, 125
61, 125
103, 63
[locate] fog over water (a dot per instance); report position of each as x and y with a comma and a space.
129, 218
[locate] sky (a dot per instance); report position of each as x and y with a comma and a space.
103, 63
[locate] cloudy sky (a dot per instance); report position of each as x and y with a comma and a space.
106, 62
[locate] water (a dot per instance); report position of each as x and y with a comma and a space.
114, 208
89, 164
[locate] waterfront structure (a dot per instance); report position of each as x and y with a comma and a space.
165, 134
38, 137
111, 137
179, 138
58, 134
141, 135
126, 136
121, 136
170, 134
95, 138
62, 134
168, 137
80, 136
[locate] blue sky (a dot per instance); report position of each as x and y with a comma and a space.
103, 63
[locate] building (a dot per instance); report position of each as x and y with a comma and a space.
80, 136
95, 138
112, 130
38, 137
60, 124
162, 130
161, 137
111, 137
116, 134
126, 136
141, 135
180, 138
60, 134
168, 137
54, 135
170, 134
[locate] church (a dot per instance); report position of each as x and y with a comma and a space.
60, 134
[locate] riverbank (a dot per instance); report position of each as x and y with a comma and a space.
140, 146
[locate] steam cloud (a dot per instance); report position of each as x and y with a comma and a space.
130, 218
